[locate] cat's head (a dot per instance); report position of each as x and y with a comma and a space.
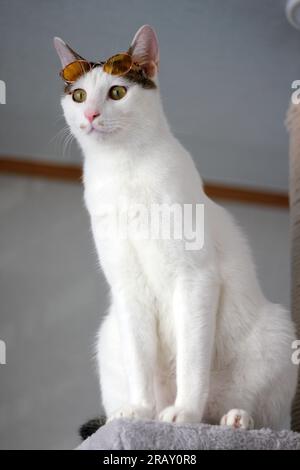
100, 106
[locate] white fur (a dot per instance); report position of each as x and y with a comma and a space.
189, 334
238, 419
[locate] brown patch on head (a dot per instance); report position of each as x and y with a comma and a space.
67, 88
137, 75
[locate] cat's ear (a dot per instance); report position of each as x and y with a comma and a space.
144, 50
65, 53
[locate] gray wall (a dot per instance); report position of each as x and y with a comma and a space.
226, 70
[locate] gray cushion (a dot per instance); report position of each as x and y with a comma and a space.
123, 434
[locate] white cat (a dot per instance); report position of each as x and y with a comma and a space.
189, 335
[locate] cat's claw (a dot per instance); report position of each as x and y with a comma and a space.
238, 419
132, 412
176, 414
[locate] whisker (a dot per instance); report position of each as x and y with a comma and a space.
67, 144
59, 134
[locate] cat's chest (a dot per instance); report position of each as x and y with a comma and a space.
117, 195
119, 208
124, 223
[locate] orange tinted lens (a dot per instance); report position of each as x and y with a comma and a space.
118, 64
75, 70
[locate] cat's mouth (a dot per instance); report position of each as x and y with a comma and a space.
99, 129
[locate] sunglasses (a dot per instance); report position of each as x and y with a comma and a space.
118, 64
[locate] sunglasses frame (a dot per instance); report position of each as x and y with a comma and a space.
105, 64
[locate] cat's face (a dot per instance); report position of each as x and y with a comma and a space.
100, 106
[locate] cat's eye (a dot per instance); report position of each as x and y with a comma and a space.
79, 95
117, 92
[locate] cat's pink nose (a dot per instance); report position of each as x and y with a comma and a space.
91, 114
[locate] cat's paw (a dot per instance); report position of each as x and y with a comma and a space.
132, 412
177, 414
238, 419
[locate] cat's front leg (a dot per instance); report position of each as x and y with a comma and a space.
133, 308
194, 307
138, 342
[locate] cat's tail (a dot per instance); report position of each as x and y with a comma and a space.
91, 426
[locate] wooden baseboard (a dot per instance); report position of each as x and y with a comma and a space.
40, 169
57, 171
247, 195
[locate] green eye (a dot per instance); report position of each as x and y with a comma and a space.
117, 92
79, 95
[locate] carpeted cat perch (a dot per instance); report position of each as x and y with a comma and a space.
293, 125
152, 435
